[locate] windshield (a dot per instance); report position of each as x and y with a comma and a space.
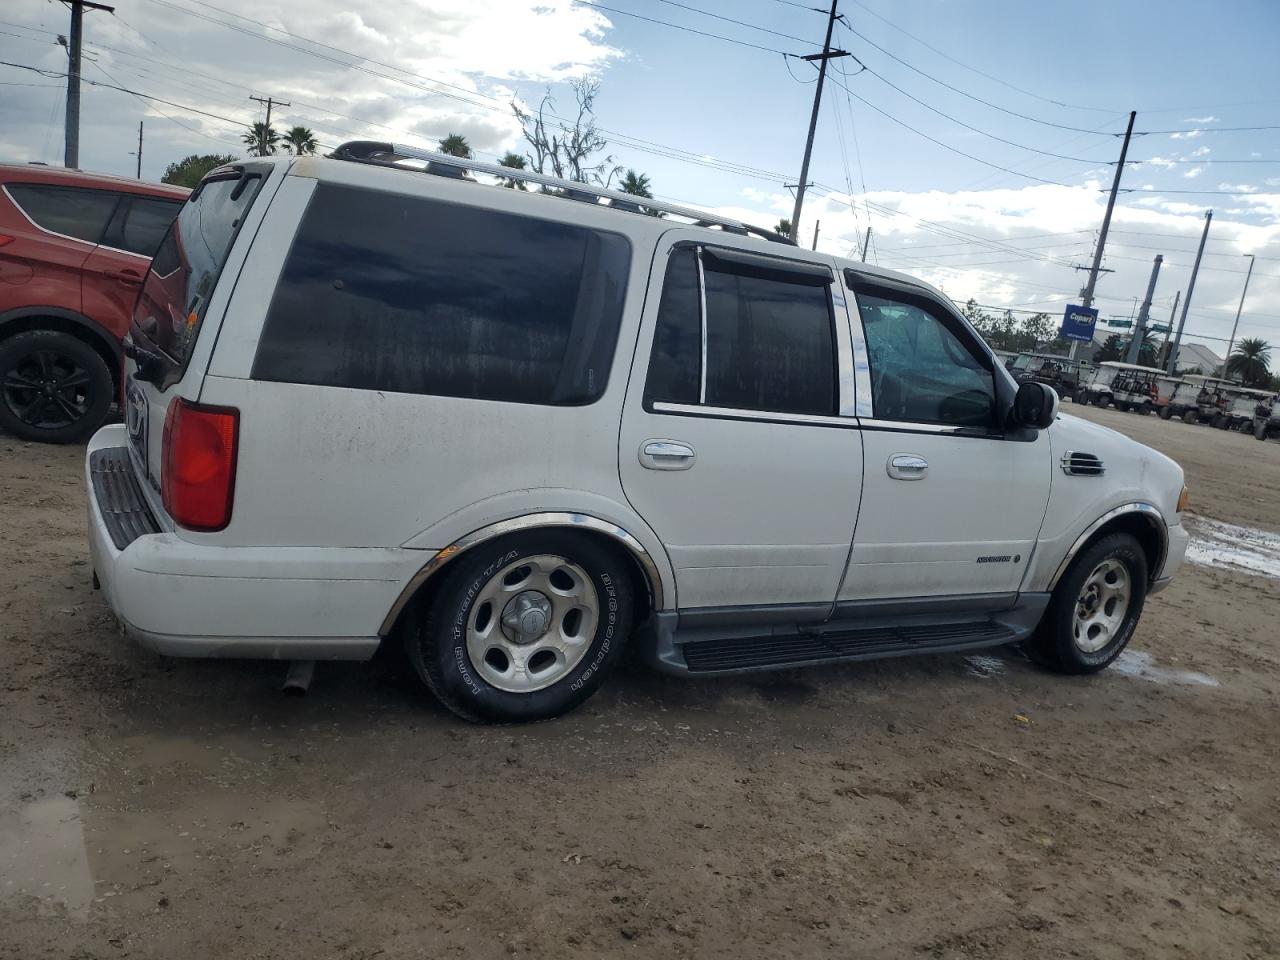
186, 267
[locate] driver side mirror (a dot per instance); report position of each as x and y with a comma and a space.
1035, 405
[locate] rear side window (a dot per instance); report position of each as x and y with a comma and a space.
71, 211
387, 292
142, 224
769, 335
188, 262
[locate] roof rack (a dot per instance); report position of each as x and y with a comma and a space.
441, 164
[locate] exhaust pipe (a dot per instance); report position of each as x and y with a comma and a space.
298, 679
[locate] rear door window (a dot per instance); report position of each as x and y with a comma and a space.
769, 335
387, 292
141, 223
75, 212
190, 258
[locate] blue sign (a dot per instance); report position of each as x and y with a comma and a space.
1078, 323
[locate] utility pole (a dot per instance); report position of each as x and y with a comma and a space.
71, 154
866, 243
1236, 326
1087, 297
1191, 287
1164, 347
280, 103
1139, 331
816, 225
826, 54
139, 173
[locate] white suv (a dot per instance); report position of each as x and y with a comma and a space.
376, 396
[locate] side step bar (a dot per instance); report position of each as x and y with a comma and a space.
755, 653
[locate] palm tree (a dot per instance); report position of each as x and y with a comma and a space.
783, 227
261, 140
300, 140
1251, 361
455, 145
515, 162
636, 184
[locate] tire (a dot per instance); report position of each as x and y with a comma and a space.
1221, 422
1260, 430
54, 388
1054, 645
1144, 409
1165, 413
1080, 397
1190, 416
1124, 407
468, 655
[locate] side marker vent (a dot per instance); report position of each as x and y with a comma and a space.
1082, 464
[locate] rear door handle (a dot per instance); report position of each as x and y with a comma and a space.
131, 277
908, 466
666, 455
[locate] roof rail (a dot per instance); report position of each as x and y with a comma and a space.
441, 164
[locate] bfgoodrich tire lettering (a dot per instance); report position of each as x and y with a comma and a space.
1057, 644
515, 577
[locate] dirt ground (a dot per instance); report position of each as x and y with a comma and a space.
944, 806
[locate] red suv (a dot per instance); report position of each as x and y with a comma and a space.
74, 248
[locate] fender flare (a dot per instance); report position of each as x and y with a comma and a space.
532, 521
62, 313
1149, 512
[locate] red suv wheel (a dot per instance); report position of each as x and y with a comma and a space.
53, 387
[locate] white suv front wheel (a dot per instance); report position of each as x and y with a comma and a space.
524, 628
1094, 608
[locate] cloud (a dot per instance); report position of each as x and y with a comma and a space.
1186, 135
1200, 120
1193, 173
1199, 152
409, 72
1238, 187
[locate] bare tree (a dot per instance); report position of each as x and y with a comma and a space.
567, 148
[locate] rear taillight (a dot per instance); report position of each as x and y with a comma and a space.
5, 239
198, 469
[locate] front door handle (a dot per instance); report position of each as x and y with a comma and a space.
908, 466
666, 455
130, 277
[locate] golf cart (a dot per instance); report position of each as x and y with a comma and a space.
1198, 398
1268, 427
1127, 385
1165, 387
1247, 406
1061, 373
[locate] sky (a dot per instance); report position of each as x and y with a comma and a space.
977, 138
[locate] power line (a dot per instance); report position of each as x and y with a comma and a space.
741, 23
959, 63
970, 96
677, 26
947, 146
985, 133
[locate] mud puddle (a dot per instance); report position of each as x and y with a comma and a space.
1142, 665
1217, 544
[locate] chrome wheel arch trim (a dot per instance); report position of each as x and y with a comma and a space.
1145, 510
532, 521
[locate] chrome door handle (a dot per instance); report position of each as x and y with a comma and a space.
908, 466
666, 455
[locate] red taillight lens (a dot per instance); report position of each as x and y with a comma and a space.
198, 473
5, 239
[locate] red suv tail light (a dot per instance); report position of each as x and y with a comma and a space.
198, 470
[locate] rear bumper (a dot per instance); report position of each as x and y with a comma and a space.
186, 599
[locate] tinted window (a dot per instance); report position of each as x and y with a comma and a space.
187, 265
72, 211
921, 370
387, 292
675, 366
769, 345
144, 225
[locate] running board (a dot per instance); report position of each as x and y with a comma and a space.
766, 652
